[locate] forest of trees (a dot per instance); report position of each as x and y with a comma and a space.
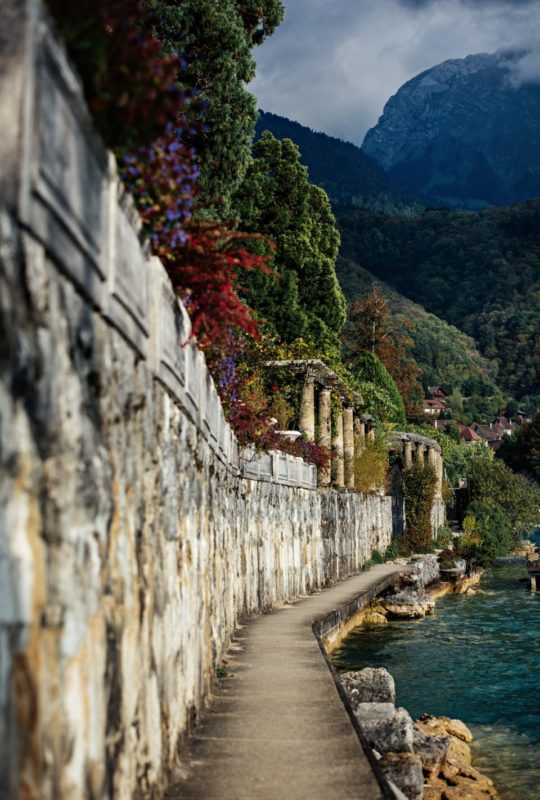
343, 170
478, 271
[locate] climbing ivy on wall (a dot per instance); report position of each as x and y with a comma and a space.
419, 483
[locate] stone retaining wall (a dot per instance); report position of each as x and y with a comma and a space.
133, 533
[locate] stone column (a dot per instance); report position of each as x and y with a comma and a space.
439, 468
307, 409
359, 427
407, 454
360, 435
420, 454
325, 430
348, 447
371, 434
337, 446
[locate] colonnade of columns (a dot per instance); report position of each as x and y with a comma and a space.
316, 423
416, 452
342, 438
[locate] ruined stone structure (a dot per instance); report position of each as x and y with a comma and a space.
415, 448
133, 532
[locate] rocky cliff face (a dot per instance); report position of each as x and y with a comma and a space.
465, 133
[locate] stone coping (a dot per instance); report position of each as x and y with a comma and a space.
321, 373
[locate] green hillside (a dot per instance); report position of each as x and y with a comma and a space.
446, 355
478, 271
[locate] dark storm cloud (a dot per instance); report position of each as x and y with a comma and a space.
333, 63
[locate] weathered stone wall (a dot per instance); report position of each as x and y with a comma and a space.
133, 534
129, 549
438, 515
353, 525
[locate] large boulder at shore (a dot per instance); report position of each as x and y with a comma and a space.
388, 729
369, 685
409, 605
441, 726
405, 770
426, 566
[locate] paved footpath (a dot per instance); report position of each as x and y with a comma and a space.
276, 728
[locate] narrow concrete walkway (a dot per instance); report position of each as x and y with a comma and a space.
277, 728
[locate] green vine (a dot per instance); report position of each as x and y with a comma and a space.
419, 483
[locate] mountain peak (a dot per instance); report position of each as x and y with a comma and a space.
465, 132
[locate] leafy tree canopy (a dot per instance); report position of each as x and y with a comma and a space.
372, 329
277, 200
522, 450
379, 389
216, 38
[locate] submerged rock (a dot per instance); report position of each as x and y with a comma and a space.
369, 685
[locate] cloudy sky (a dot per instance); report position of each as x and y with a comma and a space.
333, 63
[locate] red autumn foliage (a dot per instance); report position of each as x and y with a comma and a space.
130, 86
208, 271
205, 259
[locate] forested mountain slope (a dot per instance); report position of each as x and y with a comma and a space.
346, 173
478, 271
446, 355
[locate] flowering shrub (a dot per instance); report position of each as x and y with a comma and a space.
130, 84
132, 90
204, 258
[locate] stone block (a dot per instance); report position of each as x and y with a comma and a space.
249, 465
280, 467
225, 436
405, 770
213, 418
65, 170
265, 466
129, 270
431, 749
309, 480
16, 32
191, 398
294, 469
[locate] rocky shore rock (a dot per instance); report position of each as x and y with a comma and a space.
409, 604
524, 548
370, 685
425, 760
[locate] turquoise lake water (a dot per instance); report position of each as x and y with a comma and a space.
477, 659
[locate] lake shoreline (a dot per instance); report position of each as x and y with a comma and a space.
437, 662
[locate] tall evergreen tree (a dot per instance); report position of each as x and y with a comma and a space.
216, 38
277, 200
